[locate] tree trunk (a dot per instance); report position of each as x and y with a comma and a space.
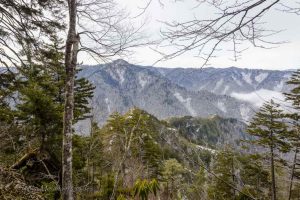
93, 179
292, 173
70, 65
233, 175
273, 174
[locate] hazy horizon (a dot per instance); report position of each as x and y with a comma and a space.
189, 67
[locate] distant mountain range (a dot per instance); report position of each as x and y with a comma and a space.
170, 92
228, 80
251, 85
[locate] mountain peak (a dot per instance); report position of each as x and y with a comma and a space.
120, 62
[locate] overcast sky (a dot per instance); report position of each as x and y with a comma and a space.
286, 56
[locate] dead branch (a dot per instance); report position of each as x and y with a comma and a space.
22, 161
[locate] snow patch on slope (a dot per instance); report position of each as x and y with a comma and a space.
202, 87
120, 73
282, 83
143, 80
206, 149
247, 77
259, 78
279, 87
226, 89
245, 113
221, 106
186, 102
108, 106
237, 81
218, 85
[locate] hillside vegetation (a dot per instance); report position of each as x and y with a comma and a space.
137, 156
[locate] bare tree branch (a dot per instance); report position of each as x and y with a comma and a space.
238, 22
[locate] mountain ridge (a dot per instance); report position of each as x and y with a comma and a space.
160, 91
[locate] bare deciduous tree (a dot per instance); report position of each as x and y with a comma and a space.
98, 28
238, 22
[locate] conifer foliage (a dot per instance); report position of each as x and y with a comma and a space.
37, 93
293, 97
270, 132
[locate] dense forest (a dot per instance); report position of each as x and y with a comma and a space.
137, 156
134, 155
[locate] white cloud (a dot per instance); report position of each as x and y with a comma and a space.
257, 98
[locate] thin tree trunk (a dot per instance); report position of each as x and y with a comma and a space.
126, 151
292, 173
93, 179
233, 175
70, 65
273, 174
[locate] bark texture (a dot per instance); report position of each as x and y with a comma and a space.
293, 173
70, 66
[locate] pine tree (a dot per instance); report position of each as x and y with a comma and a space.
294, 94
270, 131
42, 94
294, 98
25, 27
38, 110
83, 92
254, 176
197, 189
172, 175
224, 167
6, 92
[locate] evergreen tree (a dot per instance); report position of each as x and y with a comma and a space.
293, 96
270, 132
7, 86
83, 92
172, 175
38, 90
223, 184
42, 95
254, 176
197, 189
25, 27
132, 145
